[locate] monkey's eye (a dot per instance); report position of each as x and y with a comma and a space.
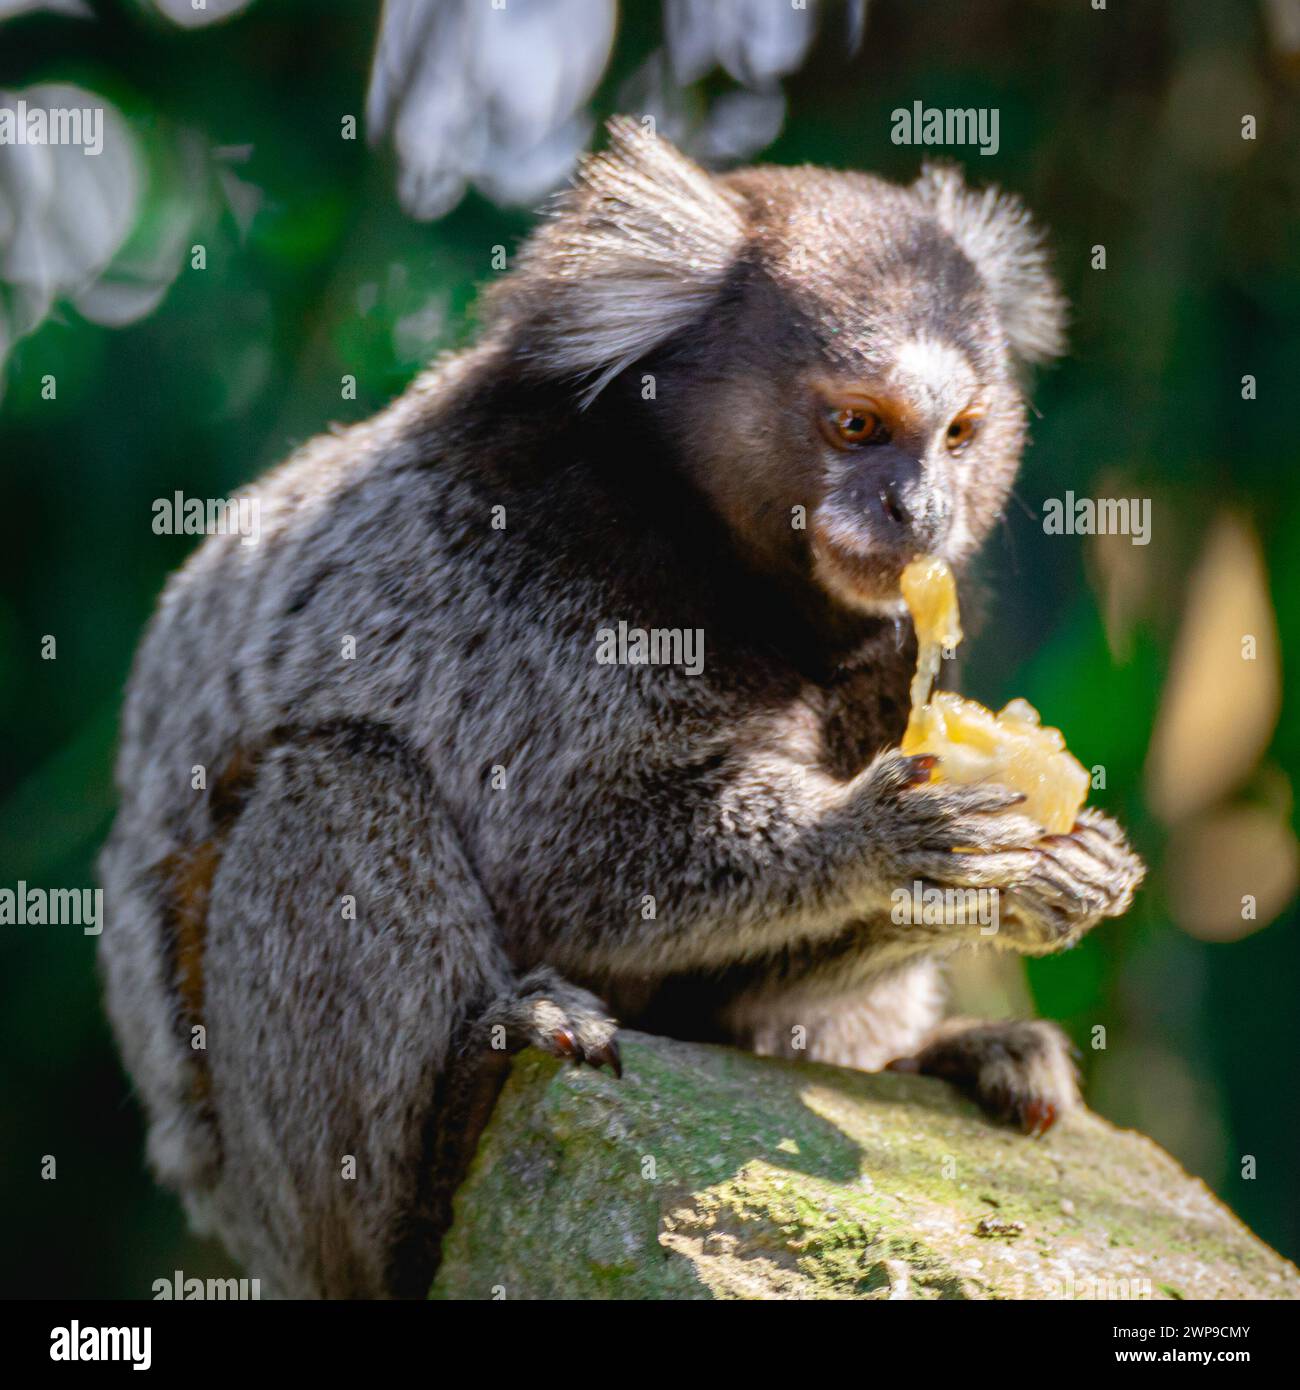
962, 430
853, 423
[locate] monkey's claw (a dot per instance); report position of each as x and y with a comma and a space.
547, 1012
919, 768
1020, 1072
1037, 1116
604, 1054
609, 1055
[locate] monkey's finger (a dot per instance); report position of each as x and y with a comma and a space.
1106, 840
991, 870
606, 1055
1082, 872
1073, 903
975, 799
987, 834
1078, 847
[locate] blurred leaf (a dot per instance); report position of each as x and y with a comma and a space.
1223, 695
1218, 860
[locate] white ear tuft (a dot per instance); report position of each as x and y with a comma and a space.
998, 236
635, 253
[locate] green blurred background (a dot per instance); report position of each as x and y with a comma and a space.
1121, 129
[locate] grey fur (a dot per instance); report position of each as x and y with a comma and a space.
761, 804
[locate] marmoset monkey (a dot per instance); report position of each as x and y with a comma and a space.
440, 825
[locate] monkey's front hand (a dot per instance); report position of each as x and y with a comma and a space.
1051, 889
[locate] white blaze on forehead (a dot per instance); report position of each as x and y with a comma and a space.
934, 376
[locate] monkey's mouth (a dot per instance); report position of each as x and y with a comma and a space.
856, 570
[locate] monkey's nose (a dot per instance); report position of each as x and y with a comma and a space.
892, 506
884, 491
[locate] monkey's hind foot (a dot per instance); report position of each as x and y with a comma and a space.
547, 1012
1020, 1072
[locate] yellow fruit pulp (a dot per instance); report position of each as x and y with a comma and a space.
972, 743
